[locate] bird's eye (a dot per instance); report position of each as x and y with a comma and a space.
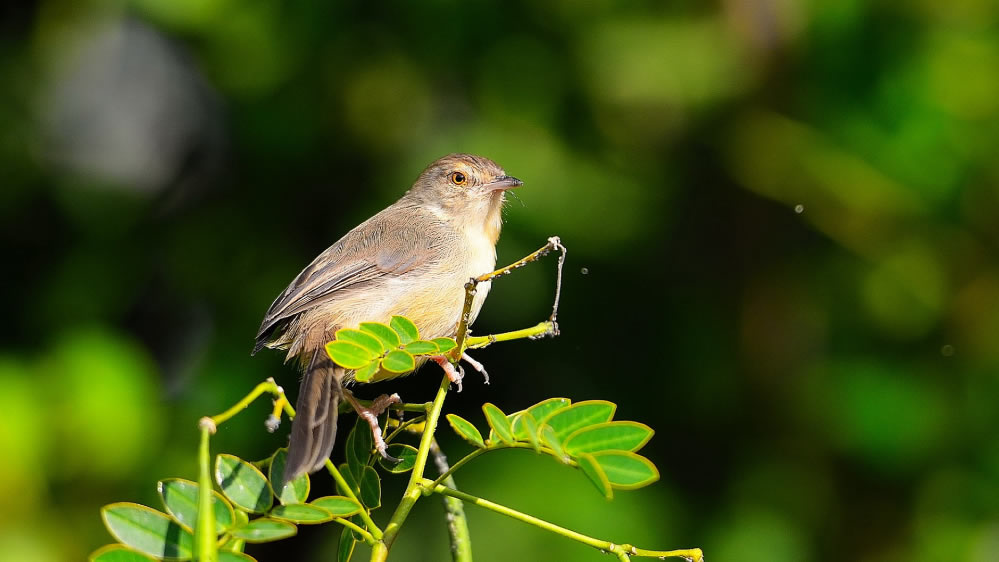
458, 178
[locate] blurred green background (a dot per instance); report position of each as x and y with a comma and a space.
782, 220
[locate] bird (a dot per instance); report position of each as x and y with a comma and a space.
411, 259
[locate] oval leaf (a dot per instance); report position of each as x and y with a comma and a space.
626, 470
595, 473
466, 430
422, 348
551, 441
243, 484
349, 355
388, 337
363, 339
147, 530
445, 344
608, 436
180, 498
348, 477
365, 373
406, 455
359, 446
339, 506
345, 549
118, 553
403, 326
499, 423
580, 414
301, 513
264, 529
296, 491
371, 488
541, 411
398, 361
530, 426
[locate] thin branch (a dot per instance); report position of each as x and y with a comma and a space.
457, 523
554, 243
622, 551
356, 528
380, 550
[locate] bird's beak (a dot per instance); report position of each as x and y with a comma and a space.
502, 183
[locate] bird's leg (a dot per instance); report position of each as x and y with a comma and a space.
453, 374
476, 365
370, 415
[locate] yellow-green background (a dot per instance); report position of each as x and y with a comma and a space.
787, 211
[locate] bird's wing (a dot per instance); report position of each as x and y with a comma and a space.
365, 255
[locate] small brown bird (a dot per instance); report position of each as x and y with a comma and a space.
411, 259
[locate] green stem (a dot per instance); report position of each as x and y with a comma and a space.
376, 532
542, 329
267, 386
414, 490
499, 447
357, 528
622, 551
204, 528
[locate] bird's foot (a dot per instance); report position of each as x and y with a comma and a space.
476, 365
453, 375
370, 414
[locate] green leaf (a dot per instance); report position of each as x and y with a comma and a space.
445, 344
551, 441
406, 455
363, 339
422, 348
243, 484
180, 498
626, 470
359, 445
365, 373
398, 361
349, 355
527, 421
118, 553
235, 545
466, 430
147, 530
346, 547
265, 529
499, 423
296, 491
339, 506
230, 556
348, 477
545, 408
580, 414
371, 488
388, 337
405, 328
301, 513
595, 473
608, 436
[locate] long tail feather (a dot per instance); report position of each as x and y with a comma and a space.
313, 430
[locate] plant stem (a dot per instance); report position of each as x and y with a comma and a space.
414, 489
457, 523
204, 528
354, 526
540, 330
622, 551
376, 532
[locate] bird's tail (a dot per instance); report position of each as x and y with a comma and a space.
313, 430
